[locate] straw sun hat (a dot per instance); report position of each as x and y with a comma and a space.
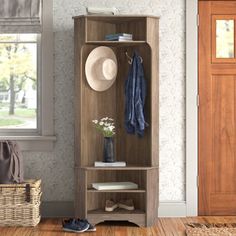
101, 68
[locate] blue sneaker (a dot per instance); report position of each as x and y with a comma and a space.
91, 227
76, 226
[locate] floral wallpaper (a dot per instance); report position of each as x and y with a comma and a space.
56, 168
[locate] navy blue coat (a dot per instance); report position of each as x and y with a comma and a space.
135, 93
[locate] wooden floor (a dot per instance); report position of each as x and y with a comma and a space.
163, 227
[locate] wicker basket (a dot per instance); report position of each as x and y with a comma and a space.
20, 203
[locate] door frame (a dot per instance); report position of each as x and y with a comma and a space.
191, 107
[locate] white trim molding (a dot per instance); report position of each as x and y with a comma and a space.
172, 209
191, 107
33, 143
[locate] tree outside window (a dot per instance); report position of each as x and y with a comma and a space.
18, 81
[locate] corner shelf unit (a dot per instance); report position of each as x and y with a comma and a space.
140, 154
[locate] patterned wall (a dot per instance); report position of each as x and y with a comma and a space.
56, 168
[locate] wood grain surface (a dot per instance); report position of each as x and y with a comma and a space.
140, 154
162, 227
217, 116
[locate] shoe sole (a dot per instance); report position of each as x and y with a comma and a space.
75, 231
111, 208
91, 230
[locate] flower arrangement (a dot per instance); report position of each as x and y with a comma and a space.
105, 126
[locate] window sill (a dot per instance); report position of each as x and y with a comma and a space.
33, 143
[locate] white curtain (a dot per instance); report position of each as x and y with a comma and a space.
20, 16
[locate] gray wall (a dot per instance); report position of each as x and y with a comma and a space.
56, 168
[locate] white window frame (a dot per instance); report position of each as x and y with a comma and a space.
43, 140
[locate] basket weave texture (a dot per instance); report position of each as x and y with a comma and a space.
20, 203
211, 229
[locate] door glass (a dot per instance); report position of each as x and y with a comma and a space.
224, 38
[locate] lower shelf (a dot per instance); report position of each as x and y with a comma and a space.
136, 216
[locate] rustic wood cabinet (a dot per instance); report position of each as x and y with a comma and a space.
140, 154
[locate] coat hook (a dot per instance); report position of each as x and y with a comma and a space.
130, 60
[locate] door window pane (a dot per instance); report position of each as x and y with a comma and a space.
224, 38
18, 81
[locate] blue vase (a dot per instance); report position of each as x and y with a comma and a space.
108, 150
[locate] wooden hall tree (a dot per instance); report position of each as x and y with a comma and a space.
140, 154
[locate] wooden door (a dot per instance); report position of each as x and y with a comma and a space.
217, 108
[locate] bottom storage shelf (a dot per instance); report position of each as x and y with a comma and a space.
99, 215
91, 203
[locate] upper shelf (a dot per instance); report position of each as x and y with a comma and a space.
96, 29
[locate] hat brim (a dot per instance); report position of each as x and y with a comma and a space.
91, 74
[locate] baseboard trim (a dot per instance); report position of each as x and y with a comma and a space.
66, 209
172, 209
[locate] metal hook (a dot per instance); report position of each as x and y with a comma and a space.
130, 60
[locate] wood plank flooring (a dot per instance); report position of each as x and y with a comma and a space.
163, 227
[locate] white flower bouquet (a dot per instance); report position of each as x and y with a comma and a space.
105, 126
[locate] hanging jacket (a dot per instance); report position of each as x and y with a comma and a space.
135, 93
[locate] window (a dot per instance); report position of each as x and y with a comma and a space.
223, 39
26, 73
19, 82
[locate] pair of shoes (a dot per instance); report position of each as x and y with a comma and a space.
126, 204
77, 226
